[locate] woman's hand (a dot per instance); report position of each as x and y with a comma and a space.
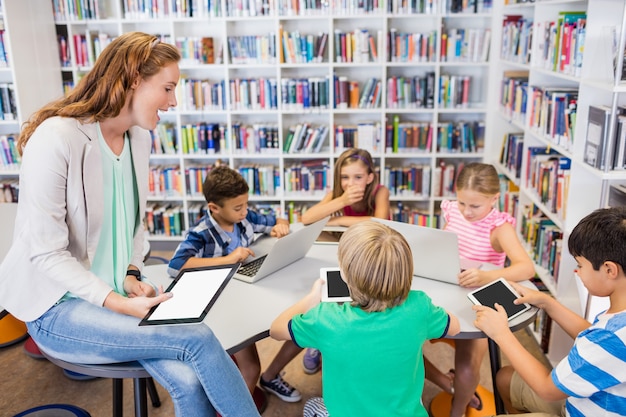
135, 306
280, 230
136, 288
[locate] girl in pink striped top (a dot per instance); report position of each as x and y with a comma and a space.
486, 235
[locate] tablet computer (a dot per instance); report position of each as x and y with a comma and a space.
501, 292
194, 290
335, 289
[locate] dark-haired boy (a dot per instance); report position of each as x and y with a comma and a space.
591, 380
223, 237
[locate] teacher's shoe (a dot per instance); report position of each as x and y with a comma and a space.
281, 388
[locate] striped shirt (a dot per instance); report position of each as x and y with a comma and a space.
593, 374
208, 240
475, 237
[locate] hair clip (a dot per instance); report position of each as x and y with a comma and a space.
155, 43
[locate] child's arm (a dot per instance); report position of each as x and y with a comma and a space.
569, 321
280, 229
495, 325
279, 329
238, 255
455, 327
324, 208
520, 269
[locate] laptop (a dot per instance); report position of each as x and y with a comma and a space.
435, 251
282, 252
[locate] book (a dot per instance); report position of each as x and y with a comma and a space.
596, 140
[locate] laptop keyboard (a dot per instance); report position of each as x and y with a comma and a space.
251, 268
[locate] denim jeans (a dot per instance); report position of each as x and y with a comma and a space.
187, 360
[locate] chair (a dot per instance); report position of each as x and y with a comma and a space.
11, 329
142, 381
56, 410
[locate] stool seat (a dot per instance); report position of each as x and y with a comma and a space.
11, 329
142, 381
54, 410
442, 403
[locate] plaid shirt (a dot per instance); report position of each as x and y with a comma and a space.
208, 240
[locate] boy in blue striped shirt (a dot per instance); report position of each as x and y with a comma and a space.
591, 380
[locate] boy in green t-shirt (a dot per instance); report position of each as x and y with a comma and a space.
372, 347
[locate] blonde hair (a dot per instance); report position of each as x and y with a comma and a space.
377, 265
353, 156
102, 93
479, 177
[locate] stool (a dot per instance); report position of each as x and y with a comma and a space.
11, 329
54, 410
442, 403
142, 381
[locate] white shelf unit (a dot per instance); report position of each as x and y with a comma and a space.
378, 22
33, 65
588, 187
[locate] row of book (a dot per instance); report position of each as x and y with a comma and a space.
542, 326
9, 191
164, 219
357, 46
512, 152
297, 48
72, 10
4, 56
311, 178
563, 43
10, 158
253, 94
197, 50
411, 92
598, 139
304, 93
8, 101
408, 181
552, 113
402, 212
87, 47
454, 91
204, 138
202, 95
305, 138
543, 239
365, 135
465, 45
252, 49
411, 47
517, 32
256, 138
514, 95
508, 201
548, 175
348, 94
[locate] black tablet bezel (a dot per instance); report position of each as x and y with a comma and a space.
190, 320
504, 296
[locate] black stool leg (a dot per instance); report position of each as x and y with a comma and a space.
141, 400
118, 397
154, 395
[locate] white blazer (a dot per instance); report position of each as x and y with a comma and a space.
59, 217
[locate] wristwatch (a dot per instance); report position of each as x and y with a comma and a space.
135, 273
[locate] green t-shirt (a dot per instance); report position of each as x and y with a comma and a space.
373, 363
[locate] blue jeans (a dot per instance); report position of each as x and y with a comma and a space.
187, 360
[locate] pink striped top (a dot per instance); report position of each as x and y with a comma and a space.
474, 238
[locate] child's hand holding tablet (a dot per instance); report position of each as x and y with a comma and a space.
334, 288
501, 292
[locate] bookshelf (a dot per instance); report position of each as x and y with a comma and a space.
543, 117
269, 80
29, 77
